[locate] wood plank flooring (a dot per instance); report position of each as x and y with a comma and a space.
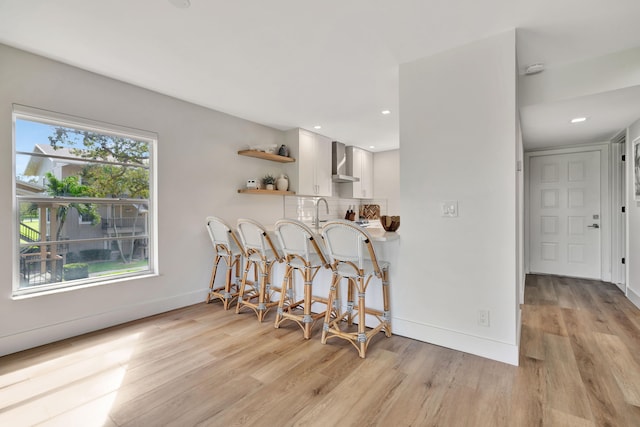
203, 366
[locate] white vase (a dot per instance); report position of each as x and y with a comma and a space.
282, 183
269, 186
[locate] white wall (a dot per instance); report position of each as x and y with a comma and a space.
458, 138
198, 175
633, 220
386, 179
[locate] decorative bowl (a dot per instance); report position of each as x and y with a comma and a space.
390, 222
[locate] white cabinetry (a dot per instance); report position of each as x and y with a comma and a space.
312, 173
359, 165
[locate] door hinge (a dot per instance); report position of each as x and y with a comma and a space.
624, 158
624, 209
623, 260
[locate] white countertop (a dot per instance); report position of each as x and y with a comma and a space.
377, 233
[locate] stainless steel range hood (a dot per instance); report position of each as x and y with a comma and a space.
339, 164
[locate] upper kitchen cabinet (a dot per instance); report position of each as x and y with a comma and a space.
312, 171
359, 165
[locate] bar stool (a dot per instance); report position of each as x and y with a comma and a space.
226, 247
302, 254
353, 257
261, 254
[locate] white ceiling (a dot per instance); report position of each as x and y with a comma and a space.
607, 113
300, 63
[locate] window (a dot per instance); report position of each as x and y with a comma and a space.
85, 218
84, 201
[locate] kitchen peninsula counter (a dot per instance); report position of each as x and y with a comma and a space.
377, 233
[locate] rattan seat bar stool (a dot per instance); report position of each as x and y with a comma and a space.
227, 247
303, 254
260, 254
353, 257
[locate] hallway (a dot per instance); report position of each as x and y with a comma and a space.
580, 350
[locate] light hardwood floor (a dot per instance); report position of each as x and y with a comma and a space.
579, 366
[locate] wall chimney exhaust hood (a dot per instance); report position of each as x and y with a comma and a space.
339, 164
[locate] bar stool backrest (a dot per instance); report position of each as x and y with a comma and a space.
297, 239
348, 243
222, 236
255, 238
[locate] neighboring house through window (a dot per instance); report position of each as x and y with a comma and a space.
84, 201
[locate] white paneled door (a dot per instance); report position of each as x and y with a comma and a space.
565, 214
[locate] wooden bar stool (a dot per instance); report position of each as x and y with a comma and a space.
261, 254
353, 257
302, 254
226, 247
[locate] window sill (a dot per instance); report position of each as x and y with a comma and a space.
26, 294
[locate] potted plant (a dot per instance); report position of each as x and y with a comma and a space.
269, 181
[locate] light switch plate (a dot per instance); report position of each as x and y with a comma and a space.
449, 208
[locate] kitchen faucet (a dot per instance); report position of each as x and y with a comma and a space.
316, 219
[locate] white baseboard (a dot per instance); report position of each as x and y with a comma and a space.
633, 297
490, 349
71, 328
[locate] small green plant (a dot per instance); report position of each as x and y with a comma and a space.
268, 179
76, 271
95, 254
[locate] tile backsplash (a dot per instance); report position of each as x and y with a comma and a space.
303, 208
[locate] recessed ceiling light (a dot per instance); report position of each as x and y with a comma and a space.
317, 127
578, 119
372, 146
182, 4
385, 112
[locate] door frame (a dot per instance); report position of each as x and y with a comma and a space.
605, 201
618, 218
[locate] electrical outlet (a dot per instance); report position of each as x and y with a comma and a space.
483, 318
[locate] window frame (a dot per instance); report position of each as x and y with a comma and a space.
21, 112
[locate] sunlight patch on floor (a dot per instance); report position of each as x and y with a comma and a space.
77, 389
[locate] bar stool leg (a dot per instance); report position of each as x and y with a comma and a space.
262, 292
243, 285
330, 307
227, 287
213, 278
307, 319
336, 305
238, 264
288, 293
362, 312
385, 296
350, 300
287, 283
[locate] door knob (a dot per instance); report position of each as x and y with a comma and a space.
593, 226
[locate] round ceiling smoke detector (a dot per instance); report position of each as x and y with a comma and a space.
534, 69
182, 4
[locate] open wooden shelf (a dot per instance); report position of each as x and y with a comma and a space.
267, 192
266, 156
